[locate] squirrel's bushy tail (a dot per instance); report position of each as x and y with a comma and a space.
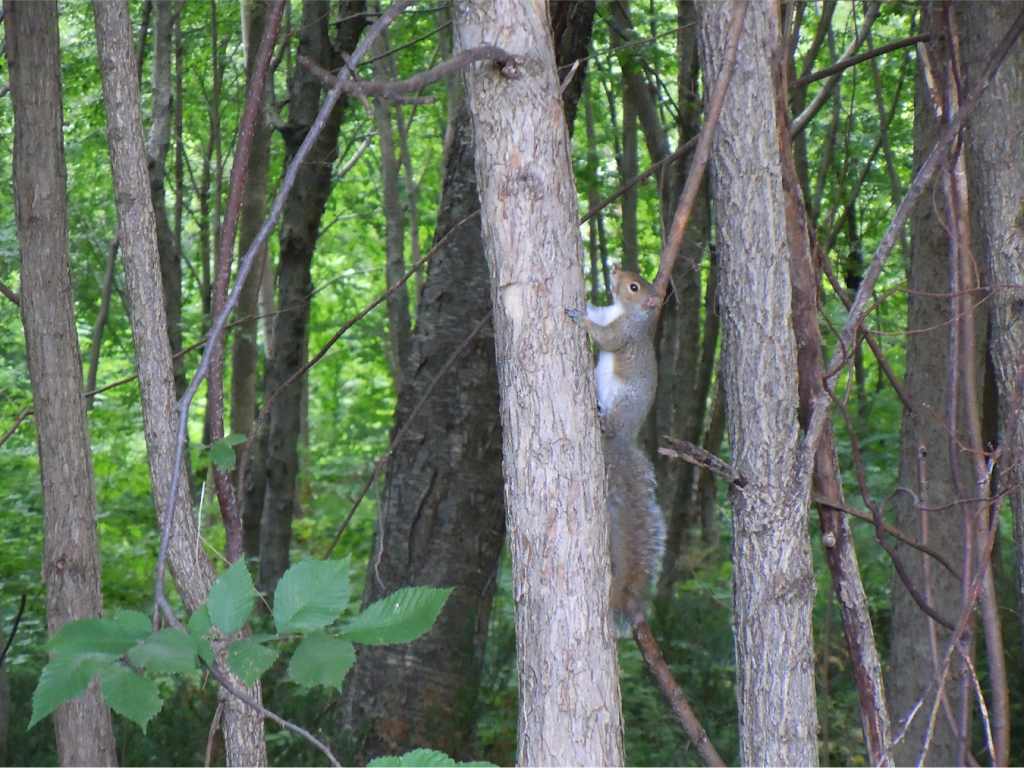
637, 527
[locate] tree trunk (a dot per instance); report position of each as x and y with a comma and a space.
71, 554
442, 518
554, 487
925, 465
157, 146
192, 571
995, 161
447, 471
773, 580
244, 350
299, 227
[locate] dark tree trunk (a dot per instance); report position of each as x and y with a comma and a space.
995, 163
442, 520
244, 349
157, 146
925, 464
299, 226
71, 554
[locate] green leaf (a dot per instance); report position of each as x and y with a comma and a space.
399, 618
221, 453
321, 660
311, 595
429, 758
231, 599
98, 636
130, 694
199, 628
249, 660
169, 650
138, 623
65, 678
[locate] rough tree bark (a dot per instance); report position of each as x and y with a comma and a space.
773, 579
443, 521
192, 571
300, 224
71, 553
554, 487
995, 164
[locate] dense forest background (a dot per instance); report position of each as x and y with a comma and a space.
858, 151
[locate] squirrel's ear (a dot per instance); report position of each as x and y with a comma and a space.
653, 301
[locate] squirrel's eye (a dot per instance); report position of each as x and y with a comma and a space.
634, 287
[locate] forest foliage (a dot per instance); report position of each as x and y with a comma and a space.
857, 181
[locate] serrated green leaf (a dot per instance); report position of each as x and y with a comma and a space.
169, 650
321, 660
199, 628
135, 622
97, 636
398, 618
130, 694
231, 599
65, 678
249, 660
428, 758
311, 595
222, 455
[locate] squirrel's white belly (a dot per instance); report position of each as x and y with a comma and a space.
608, 384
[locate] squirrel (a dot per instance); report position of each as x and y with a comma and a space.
627, 373
627, 370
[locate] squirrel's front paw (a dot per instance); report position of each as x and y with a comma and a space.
575, 314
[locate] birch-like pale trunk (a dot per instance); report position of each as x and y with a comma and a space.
569, 701
773, 580
192, 570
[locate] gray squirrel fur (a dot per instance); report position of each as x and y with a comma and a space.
627, 372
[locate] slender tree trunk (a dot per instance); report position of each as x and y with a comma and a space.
96, 343
299, 227
71, 554
773, 579
244, 350
399, 322
554, 491
192, 571
157, 146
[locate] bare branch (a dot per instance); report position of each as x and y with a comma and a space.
670, 252
391, 89
405, 427
677, 699
10, 294
800, 122
874, 270
842, 64
697, 456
